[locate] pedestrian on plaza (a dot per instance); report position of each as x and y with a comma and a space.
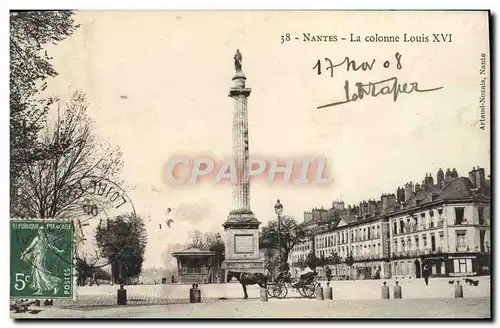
426, 274
94, 279
328, 272
267, 273
173, 279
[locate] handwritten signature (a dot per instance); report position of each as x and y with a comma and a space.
373, 89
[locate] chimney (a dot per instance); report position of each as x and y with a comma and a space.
417, 188
480, 178
384, 201
429, 181
372, 206
440, 176
400, 194
472, 177
409, 191
454, 173
391, 199
448, 174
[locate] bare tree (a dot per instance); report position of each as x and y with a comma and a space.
202, 240
51, 185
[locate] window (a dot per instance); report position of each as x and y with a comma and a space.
401, 226
417, 244
459, 215
462, 265
424, 240
395, 228
402, 244
369, 232
480, 214
461, 239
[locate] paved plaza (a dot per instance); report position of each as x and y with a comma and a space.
289, 308
351, 299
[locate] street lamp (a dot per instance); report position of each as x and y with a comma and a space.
218, 249
278, 209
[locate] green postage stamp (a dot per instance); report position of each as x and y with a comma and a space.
41, 255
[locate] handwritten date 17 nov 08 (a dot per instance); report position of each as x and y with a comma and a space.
372, 89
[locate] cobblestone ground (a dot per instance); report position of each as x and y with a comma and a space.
290, 308
342, 290
103, 298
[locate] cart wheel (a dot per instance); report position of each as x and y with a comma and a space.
283, 291
309, 291
274, 291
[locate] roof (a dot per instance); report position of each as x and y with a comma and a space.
454, 189
193, 252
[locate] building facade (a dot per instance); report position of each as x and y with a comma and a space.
444, 224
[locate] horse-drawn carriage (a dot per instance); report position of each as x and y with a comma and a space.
277, 288
306, 288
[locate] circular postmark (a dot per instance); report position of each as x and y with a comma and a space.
103, 215
105, 221
95, 226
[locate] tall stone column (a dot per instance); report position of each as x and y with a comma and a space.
241, 189
242, 228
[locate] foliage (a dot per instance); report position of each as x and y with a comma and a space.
123, 242
49, 185
30, 32
85, 270
333, 259
207, 241
290, 234
349, 260
312, 261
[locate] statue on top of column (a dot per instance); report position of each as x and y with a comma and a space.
238, 58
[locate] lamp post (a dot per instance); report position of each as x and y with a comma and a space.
218, 238
278, 209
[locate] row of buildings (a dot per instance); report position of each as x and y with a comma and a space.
442, 223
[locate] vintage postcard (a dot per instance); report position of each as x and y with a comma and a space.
250, 164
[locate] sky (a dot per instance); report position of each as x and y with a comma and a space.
158, 84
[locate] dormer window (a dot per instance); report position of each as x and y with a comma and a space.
431, 213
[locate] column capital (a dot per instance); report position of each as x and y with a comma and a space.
236, 91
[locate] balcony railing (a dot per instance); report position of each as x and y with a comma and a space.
369, 257
417, 252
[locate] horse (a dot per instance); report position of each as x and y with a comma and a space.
247, 278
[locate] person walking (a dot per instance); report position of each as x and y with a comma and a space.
425, 274
328, 273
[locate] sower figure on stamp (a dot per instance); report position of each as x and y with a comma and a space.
35, 255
